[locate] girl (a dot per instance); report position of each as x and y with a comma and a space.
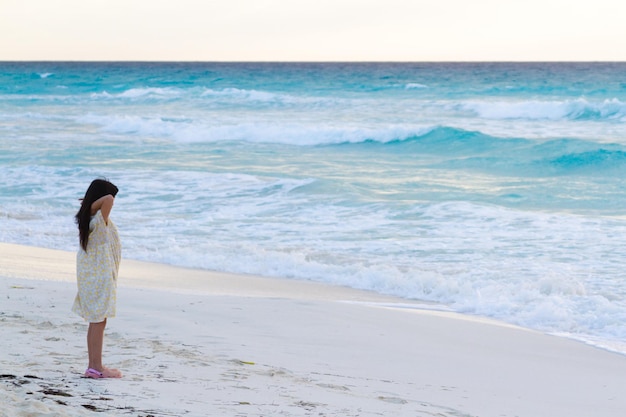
97, 265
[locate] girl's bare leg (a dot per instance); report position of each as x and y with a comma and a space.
95, 340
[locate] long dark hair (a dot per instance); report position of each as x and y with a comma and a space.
98, 188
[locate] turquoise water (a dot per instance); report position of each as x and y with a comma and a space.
496, 189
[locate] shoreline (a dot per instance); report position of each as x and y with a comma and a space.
195, 343
21, 261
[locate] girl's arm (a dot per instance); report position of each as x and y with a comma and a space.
104, 204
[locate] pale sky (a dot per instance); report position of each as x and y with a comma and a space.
313, 30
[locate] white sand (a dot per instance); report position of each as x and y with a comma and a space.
198, 343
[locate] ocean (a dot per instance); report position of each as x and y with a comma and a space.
495, 189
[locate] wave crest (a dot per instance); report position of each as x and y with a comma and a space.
185, 129
578, 109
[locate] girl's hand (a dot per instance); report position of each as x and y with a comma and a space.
104, 204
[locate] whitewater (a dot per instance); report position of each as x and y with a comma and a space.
494, 189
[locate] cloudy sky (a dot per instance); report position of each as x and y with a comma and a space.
313, 30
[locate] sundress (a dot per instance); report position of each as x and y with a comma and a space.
96, 271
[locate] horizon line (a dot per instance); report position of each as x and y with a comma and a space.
310, 61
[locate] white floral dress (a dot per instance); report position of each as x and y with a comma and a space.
96, 271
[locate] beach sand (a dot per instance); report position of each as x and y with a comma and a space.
200, 343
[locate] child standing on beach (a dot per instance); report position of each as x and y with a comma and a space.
97, 265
